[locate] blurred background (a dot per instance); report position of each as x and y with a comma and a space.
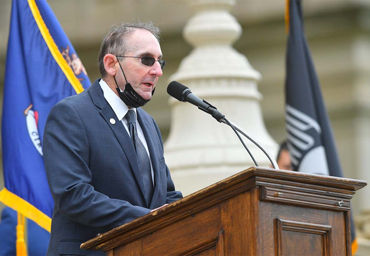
338, 33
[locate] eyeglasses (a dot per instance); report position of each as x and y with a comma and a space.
146, 60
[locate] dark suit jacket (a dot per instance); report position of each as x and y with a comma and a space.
93, 173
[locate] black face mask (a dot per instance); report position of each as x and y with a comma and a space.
129, 96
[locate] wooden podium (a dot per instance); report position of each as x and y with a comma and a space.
255, 212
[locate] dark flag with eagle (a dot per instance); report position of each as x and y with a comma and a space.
309, 135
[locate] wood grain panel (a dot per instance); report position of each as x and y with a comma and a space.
203, 231
270, 212
312, 239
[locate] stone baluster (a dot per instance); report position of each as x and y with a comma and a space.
200, 151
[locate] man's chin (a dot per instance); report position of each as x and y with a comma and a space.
146, 95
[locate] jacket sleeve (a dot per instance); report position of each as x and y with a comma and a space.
172, 194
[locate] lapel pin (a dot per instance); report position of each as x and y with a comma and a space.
112, 121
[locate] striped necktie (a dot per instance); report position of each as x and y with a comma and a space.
142, 156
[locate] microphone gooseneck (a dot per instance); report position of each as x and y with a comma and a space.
241, 140
237, 128
184, 94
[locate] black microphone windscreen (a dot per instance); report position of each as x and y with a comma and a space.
176, 89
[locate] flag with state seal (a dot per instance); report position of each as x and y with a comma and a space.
42, 68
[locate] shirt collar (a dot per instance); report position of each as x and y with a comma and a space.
118, 106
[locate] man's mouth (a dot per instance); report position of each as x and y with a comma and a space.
149, 85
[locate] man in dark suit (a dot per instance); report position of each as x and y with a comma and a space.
103, 153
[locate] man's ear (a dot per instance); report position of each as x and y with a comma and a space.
109, 64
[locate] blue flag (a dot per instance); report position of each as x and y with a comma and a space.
309, 135
42, 68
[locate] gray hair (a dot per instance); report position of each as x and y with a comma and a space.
114, 42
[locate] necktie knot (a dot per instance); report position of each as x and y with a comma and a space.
130, 117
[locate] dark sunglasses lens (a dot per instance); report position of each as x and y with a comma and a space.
148, 61
162, 63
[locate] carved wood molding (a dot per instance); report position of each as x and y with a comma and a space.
218, 243
305, 198
284, 226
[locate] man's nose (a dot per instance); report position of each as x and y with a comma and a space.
156, 69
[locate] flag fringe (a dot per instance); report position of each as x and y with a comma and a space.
21, 249
28, 210
354, 246
287, 17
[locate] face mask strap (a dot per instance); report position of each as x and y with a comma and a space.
129, 96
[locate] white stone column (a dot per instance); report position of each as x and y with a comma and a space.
200, 151
361, 93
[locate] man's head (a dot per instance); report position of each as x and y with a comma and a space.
133, 41
283, 157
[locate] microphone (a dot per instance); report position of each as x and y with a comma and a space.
183, 93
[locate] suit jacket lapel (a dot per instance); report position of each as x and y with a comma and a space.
118, 129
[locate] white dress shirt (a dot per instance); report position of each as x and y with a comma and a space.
120, 109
